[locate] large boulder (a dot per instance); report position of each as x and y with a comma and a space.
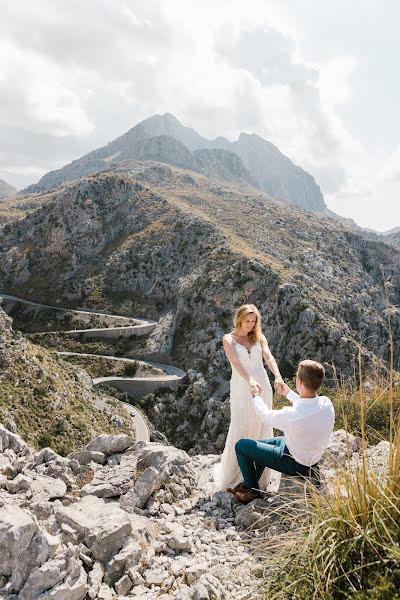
61, 577
102, 527
34, 564
17, 529
149, 480
111, 444
14, 442
45, 488
112, 480
341, 447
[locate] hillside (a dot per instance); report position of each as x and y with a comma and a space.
162, 137
47, 400
160, 233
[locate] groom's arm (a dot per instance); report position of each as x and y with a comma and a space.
291, 396
276, 418
284, 390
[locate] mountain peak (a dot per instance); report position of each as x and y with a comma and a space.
6, 189
260, 161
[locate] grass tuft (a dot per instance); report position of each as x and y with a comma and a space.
345, 542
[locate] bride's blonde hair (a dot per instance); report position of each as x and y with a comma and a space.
241, 313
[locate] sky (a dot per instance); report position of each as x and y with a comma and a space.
319, 79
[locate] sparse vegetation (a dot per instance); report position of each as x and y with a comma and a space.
103, 367
52, 404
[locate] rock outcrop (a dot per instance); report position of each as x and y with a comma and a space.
392, 236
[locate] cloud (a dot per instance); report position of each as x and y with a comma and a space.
34, 98
76, 74
391, 170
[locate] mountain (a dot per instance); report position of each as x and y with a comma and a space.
6, 190
157, 241
162, 137
168, 238
277, 175
392, 236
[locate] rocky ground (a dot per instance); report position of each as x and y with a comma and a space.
121, 519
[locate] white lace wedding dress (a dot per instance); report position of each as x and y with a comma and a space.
244, 421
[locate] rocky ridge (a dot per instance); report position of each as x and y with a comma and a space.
123, 232
121, 519
250, 159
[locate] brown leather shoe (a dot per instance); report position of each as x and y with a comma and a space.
246, 496
239, 488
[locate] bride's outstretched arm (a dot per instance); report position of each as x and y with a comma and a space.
233, 357
270, 360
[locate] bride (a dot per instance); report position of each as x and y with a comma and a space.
245, 348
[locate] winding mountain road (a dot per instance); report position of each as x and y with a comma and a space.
134, 386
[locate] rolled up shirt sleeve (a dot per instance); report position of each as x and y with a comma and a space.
276, 418
292, 396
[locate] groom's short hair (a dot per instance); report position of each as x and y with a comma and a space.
311, 373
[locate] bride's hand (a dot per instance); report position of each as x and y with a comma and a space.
256, 389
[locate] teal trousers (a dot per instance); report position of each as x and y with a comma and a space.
254, 455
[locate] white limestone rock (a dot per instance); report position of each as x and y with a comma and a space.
112, 481
137, 497
111, 444
95, 579
341, 447
60, 577
20, 483
45, 488
17, 528
45, 455
127, 558
101, 527
123, 585
6, 468
14, 442
84, 457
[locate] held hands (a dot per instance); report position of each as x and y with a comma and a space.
281, 387
255, 388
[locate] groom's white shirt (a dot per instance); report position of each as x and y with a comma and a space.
307, 425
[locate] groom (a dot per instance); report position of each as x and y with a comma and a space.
307, 426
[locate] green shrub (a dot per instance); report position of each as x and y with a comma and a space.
130, 369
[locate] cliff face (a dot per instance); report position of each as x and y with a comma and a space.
162, 137
392, 236
277, 175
